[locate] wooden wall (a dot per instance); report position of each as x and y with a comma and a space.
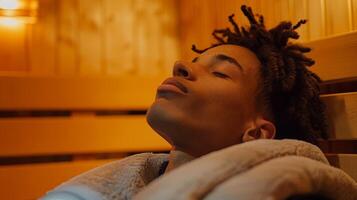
326, 17
93, 37
145, 37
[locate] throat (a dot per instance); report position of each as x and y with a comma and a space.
177, 158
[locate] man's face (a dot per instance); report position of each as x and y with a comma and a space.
215, 104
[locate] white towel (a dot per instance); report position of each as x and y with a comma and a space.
116, 180
261, 169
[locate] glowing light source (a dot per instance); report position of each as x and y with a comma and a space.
22, 11
10, 22
9, 4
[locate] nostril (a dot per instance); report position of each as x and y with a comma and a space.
183, 72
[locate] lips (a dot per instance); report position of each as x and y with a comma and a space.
176, 83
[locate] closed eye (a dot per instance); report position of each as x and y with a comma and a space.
221, 75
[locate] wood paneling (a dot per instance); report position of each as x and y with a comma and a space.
42, 40
354, 14
71, 93
90, 39
338, 16
25, 182
95, 37
79, 134
348, 163
335, 56
317, 22
342, 115
119, 40
68, 37
107, 37
325, 18
13, 56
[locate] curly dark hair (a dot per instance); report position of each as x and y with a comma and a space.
289, 92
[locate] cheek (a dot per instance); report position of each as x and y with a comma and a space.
223, 100
226, 95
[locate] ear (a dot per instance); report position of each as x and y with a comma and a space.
263, 129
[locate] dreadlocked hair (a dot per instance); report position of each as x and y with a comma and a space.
289, 92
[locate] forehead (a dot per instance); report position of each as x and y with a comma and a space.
245, 57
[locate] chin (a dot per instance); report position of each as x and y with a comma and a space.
161, 118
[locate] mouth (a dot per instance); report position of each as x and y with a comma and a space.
172, 85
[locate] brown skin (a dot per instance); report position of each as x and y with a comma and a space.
218, 110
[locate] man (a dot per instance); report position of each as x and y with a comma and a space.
252, 84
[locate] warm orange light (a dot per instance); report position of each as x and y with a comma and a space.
10, 22
9, 4
17, 11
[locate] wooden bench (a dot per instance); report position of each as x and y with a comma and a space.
52, 128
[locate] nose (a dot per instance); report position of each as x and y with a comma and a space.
183, 69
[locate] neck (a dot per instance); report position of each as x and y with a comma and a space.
177, 158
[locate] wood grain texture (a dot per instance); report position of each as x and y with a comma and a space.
348, 163
335, 56
33, 180
73, 93
167, 17
66, 135
135, 37
67, 41
354, 14
13, 51
342, 115
91, 37
316, 19
338, 16
43, 40
119, 41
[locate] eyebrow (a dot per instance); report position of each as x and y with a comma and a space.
222, 57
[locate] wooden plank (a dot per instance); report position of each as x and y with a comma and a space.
338, 146
348, 163
316, 20
169, 41
46, 136
338, 17
76, 93
339, 86
285, 10
33, 180
13, 54
335, 56
354, 14
119, 37
198, 31
91, 37
43, 40
342, 115
68, 47
148, 30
